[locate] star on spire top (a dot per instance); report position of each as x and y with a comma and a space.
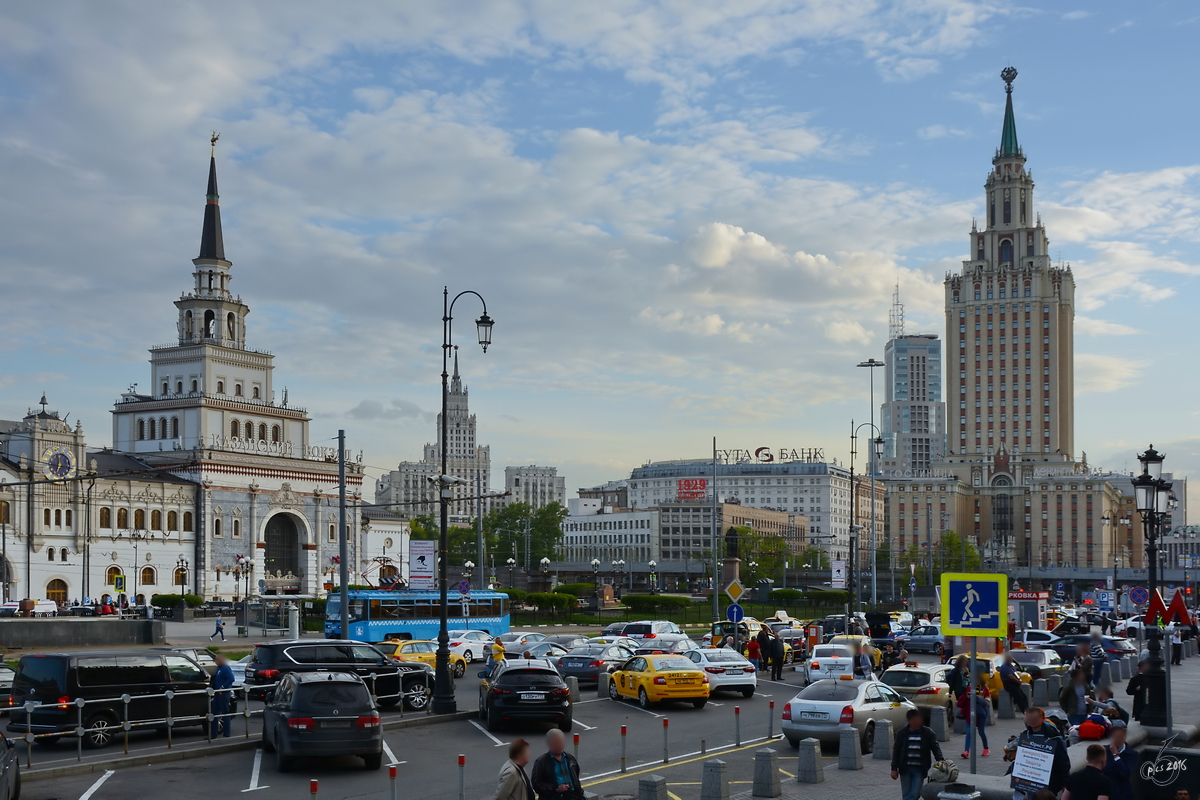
1008, 75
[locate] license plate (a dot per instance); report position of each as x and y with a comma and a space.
681, 680
733, 672
814, 715
575, 662
335, 723
532, 696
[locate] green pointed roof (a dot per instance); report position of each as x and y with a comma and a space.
1008, 138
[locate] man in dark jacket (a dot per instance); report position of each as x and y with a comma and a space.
1137, 688
776, 658
913, 753
1122, 763
222, 681
764, 646
556, 774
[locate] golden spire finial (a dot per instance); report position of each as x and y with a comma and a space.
213, 141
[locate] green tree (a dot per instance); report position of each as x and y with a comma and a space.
947, 557
768, 551
507, 527
815, 558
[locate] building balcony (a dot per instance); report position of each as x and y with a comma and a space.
189, 398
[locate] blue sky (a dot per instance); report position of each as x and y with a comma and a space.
687, 217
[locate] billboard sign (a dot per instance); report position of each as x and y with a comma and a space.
422, 564
691, 488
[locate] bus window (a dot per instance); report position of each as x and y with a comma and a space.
358, 610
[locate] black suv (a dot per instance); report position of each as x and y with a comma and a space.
100, 678
322, 714
520, 690
272, 661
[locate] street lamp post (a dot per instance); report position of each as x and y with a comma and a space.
652, 582
1152, 495
443, 685
468, 569
618, 566
545, 565
512, 564
596, 578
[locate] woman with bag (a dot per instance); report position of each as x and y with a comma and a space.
983, 710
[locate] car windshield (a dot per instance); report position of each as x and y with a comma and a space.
588, 650
529, 677
906, 678
722, 656
1030, 657
831, 652
322, 694
673, 663
829, 690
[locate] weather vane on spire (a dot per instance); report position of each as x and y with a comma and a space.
1008, 75
213, 141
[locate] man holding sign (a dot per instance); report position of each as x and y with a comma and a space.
1039, 757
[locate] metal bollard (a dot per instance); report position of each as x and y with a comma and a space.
623, 733
937, 721
737, 726
573, 685
170, 722
125, 724
771, 721
577, 747
462, 777
1006, 705
666, 758
312, 787
79, 703
392, 776
703, 746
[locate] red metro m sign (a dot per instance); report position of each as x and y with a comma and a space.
1177, 612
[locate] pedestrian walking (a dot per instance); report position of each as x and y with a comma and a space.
220, 630
982, 707
1121, 763
776, 658
222, 682
1090, 783
1176, 645
1098, 655
764, 648
959, 678
556, 773
913, 753
754, 654
513, 783
1011, 678
864, 666
1137, 689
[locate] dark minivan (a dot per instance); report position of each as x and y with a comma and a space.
100, 678
384, 675
322, 714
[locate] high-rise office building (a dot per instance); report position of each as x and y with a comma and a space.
913, 416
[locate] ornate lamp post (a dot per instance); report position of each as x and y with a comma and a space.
1152, 496
618, 566
443, 685
512, 564
653, 583
545, 565
468, 569
596, 578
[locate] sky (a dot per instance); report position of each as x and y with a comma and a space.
687, 218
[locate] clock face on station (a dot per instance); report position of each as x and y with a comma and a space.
58, 463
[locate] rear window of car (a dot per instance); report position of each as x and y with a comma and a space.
723, 656
831, 652
43, 673
1029, 657
906, 678
673, 663
636, 630
328, 694
529, 677
588, 650
829, 690
264, 655
312, 654
120, 671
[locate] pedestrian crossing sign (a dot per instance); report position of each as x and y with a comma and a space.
974, 604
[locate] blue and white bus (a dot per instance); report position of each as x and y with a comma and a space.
380, 614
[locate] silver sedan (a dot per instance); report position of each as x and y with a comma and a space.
824, 708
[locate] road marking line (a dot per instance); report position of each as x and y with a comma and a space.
673, 796
685, 758
585, 726
487, 733
593, 700
392, 762
108, 773
712, 703
643, 710
785, 772
253, 774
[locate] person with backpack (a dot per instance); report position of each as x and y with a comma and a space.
959, 678
982, 708
914, 751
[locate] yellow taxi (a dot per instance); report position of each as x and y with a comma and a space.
424, 652
653, 679
992, 679
857, 643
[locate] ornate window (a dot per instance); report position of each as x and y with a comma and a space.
256, 393
62, 554
220, 387
110, 576
172, 520
141, 432
262, 432
195, 386
156, 520
178, 387
70, 515
237, 528
139, 519
166, 386
46, 517
56, 590
250, 431
235, 430
237, 390
49, 553
58, 517
174, 427
275, 434
122, 517
152, 434
162, 428
187, 520
217, 526
4, 513
149, 576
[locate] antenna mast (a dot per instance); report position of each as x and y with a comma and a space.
896, 316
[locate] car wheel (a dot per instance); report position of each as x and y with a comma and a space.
868, 740
794, 743
99, 731
460, 669
939, 650
416, 696
566, 725
643, 698
700, 702
373, 761
748, 693
469, 656
613, 694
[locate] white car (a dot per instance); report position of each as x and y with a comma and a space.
471, 645
1034, 637
727, 671
829, 661
514, 639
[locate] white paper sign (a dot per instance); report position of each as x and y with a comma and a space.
1033, 765
839, 575
422, 564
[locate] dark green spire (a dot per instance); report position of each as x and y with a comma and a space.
212, 244
1008, 139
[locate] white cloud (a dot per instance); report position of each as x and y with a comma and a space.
1074, 15
1096, 373
1100, 327
940, 132
847, 331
